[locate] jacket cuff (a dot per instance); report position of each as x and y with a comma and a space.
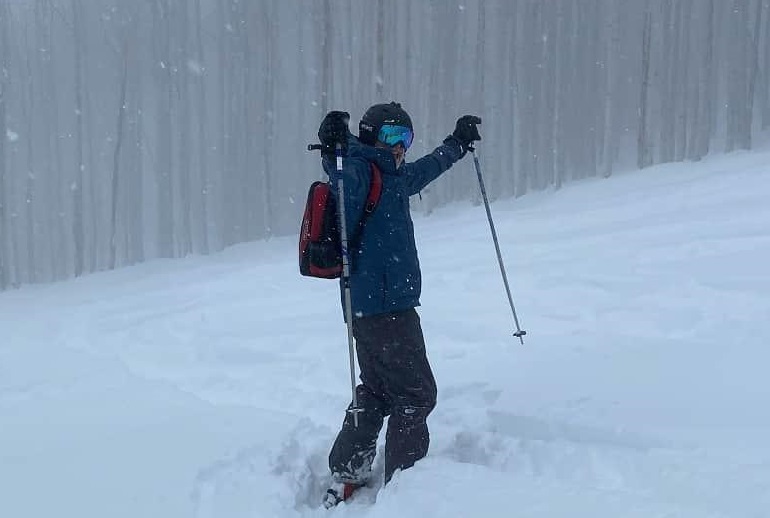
457, 149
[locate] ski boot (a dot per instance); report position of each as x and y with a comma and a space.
339, 492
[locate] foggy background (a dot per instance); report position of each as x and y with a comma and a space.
136, 129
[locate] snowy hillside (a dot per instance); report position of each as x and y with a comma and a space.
213, 387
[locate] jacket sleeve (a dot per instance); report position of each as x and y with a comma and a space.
423, 171
356, 177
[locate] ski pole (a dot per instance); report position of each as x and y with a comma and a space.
346, 284
519, 332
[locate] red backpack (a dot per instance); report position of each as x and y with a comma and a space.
320, 249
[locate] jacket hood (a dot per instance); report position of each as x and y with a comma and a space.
382, 157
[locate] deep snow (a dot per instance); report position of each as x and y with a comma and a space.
213, 386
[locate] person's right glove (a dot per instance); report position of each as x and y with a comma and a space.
334, 130
466, 131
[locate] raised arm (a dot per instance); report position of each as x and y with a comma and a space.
423, 171
426, 169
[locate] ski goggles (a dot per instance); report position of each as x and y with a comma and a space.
392, 135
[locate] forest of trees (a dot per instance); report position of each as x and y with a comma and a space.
131, 130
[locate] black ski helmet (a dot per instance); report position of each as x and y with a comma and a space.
378, 115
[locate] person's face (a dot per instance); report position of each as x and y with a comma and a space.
397, 151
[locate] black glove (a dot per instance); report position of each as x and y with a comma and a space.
466, 131
333, 131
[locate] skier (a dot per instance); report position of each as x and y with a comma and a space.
396, 378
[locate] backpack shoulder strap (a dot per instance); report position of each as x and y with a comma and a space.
375, 190
372, 199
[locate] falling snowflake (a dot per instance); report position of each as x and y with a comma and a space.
195, 67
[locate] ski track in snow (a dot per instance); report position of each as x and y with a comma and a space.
213, 387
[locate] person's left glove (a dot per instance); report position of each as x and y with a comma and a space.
333, 131
466, 131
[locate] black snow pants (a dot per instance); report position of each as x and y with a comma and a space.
396, 381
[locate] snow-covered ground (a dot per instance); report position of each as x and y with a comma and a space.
213, 387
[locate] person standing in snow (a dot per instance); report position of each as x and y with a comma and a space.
396, 378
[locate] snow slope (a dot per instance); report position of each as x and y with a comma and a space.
213, 387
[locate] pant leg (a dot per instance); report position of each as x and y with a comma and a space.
352, 454
354, 449
407, 439
401, 365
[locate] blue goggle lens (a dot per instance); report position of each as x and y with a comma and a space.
391, 135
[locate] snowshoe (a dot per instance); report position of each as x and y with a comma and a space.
339, 492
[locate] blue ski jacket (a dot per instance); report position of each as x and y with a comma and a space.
385, 271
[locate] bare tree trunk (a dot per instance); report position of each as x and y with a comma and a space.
203, 146
520, 94
5, 237
681, 77
480, 96
753, 75
28, 105
431, 80
737, 88
183, 74
545, 147
610, 130
562, 65
667, 141
513, 30
57, 231
92, 213
269, 107
643, 147
135, 177
224, 219
93, 218
78, 231
379, 75
709, 86
164, 163
116, 157
695, 93
326, 57
526, 99
766, 68
249, 142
